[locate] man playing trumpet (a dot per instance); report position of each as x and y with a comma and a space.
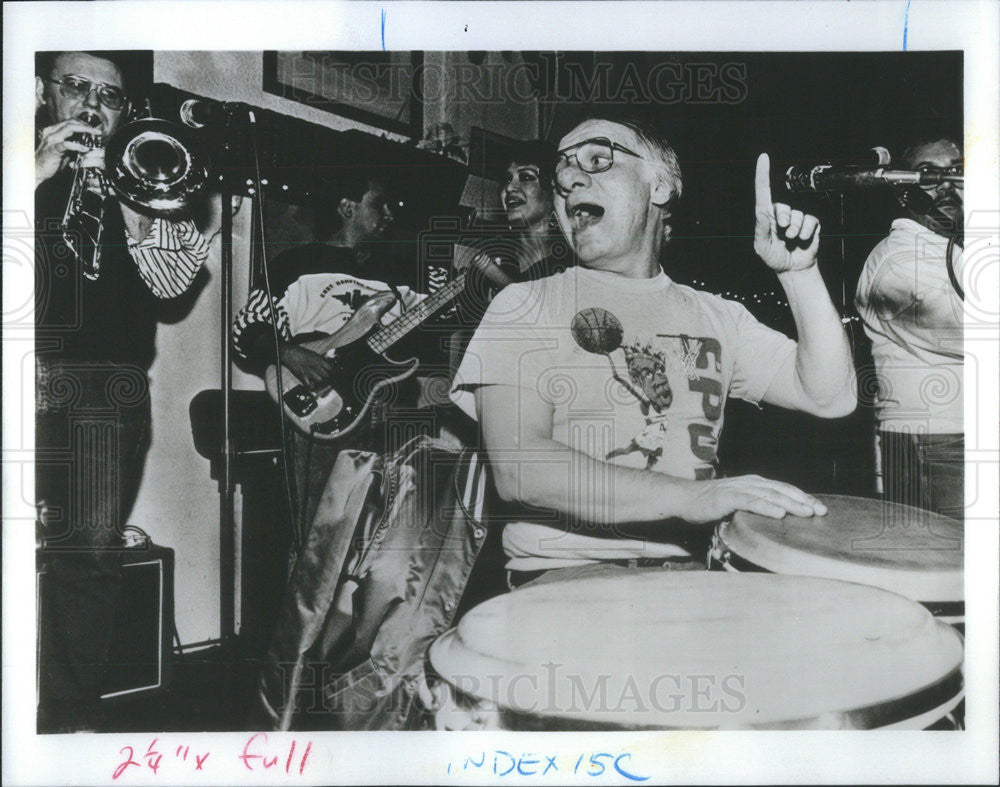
99, 291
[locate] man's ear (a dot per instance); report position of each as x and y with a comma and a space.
345, 208
39, 93
663, 190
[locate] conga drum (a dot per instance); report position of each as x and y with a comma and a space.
654, 649
910, 551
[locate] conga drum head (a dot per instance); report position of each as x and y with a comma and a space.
666, 650
907, 550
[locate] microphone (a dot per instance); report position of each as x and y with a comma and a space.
201, 112
197, 113
827, 177
492, 272
830, 177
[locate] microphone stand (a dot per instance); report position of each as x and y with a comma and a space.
232, 113
227, 520
234, 647
227, 536
842, 205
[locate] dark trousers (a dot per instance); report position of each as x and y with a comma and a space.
925, 470
92, 432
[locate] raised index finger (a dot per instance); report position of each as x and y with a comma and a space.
762, 182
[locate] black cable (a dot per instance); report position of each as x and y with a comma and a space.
952, 241
292, 513
845, 319
919, 201
218, 232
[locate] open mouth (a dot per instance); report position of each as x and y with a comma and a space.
514, 201
583, 215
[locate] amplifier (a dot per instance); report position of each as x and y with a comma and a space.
139, 658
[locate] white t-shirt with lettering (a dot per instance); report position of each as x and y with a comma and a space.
637, 372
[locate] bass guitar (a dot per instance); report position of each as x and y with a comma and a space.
362, 368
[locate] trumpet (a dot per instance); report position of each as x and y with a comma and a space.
152, 165
83, 220
156, 166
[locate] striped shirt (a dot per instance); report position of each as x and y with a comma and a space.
169, 257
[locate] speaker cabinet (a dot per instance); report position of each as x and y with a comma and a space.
139, 657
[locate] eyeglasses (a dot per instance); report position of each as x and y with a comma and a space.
592, 155
78, 88
955, 169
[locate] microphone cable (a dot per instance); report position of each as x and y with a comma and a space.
294, 515
950, 265
939, 216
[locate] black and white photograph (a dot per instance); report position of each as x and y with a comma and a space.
622, 390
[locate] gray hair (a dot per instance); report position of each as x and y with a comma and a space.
663, 156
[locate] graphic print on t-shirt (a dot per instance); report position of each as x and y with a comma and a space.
353, 299
349, 292
674, 378
325, 302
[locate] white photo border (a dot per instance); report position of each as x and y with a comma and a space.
721, 757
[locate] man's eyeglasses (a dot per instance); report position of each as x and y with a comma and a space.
592, 155
955, 169
78, 88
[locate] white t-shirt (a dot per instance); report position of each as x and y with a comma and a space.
913, 317
637, 372
325, 301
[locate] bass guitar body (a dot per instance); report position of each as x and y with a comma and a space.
360, 374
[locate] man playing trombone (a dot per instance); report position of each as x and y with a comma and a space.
105, 268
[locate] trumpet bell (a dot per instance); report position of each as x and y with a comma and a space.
156, 165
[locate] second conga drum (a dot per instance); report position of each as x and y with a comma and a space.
907, 550
697, 650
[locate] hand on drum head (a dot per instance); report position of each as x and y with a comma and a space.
714, 500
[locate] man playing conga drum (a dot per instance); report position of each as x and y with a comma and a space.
600, 391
